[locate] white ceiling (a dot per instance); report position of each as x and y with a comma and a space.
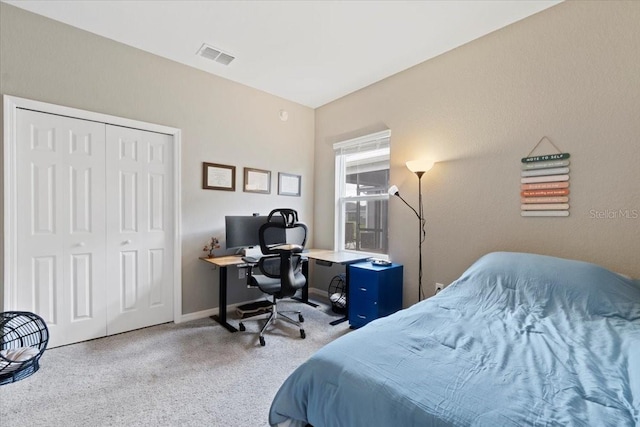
310, 52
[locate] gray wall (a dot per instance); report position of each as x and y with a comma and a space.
221, 122
571, 73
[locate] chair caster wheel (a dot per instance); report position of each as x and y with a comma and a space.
241, 327
262, 343
300, 318
302, 334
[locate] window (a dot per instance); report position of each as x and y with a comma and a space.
362, 181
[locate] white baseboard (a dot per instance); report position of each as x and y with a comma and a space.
197, 315
318, 292
213, 311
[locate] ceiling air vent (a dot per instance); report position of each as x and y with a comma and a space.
215, 54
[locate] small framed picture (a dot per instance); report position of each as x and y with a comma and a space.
289, 184
218, 177
257, 181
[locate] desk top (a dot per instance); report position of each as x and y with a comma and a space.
224, 261
320, 254
337, 257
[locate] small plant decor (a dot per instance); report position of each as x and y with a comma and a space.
213, 244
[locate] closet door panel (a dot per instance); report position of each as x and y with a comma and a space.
81, 275
40, 293
140, 228
128, 202
43, 203
61, 224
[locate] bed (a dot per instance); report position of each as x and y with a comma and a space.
519, 339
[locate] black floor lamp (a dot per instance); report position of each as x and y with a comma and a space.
419, 167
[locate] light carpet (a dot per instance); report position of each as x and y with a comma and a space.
191, 374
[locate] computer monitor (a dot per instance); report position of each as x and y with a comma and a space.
242, 231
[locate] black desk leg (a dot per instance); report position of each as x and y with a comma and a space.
346, 306
305, 289
222, 302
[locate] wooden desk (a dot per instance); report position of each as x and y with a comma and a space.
235, 260
337, 257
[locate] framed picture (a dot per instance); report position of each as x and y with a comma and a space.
218, 177
289, 184
257, 181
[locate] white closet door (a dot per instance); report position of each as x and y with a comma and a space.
61, 224
139, 229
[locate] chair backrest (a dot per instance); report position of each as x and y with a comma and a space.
283, 237
282, 228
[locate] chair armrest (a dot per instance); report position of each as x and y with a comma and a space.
288, 248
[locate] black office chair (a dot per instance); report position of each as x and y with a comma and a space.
282, 239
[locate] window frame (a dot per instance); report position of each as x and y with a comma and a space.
340, 185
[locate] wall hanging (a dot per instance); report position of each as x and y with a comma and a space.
544, 183
289, 184
218, 177
257, 181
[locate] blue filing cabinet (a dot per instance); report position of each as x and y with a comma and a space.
374, 291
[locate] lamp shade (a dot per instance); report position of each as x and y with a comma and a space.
422, 165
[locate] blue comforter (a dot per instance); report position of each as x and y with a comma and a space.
519, 339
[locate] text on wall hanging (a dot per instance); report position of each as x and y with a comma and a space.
544, 183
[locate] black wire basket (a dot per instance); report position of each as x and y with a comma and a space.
23, 340
337, 294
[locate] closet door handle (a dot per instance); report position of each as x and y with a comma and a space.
127, 242
81, 244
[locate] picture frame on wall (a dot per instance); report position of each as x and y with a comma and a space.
216, 176
257, 181
289, 184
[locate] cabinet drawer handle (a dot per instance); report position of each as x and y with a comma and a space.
361, 316
363, 289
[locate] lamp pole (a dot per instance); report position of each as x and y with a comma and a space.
421, 233
419, 167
